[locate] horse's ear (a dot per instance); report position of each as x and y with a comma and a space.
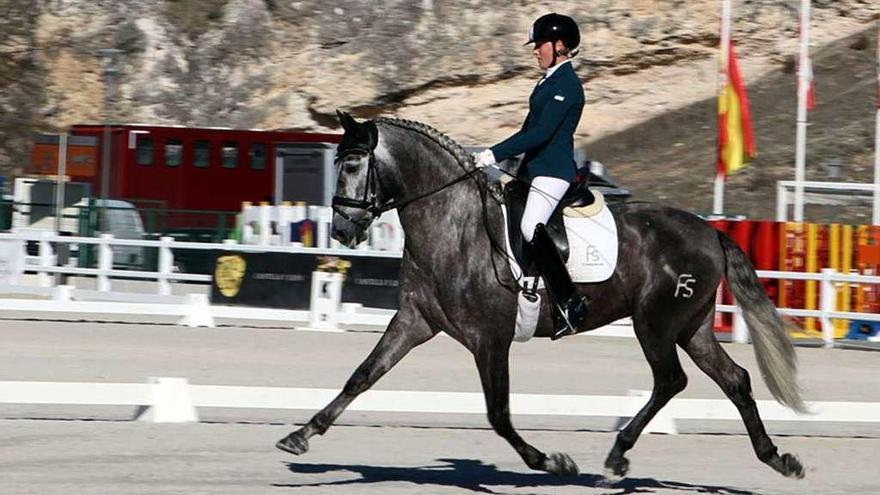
373, 133
348, 123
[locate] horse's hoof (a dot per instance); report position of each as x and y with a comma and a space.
560, 464
295, 443
792, 467
616, 469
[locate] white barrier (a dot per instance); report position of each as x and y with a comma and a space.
827, 279
174, 400
864, 191
195, 310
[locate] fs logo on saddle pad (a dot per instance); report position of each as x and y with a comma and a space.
592, 242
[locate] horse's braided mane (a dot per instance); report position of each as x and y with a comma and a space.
456, 150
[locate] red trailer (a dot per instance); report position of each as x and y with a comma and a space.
199, 168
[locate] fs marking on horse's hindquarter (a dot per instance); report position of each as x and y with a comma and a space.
684, 285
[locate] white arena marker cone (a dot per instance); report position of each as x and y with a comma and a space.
199, 312
325, 300
170, 402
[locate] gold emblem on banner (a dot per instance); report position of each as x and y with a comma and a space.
229, 274
333, 264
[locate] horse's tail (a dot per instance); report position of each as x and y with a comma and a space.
774, 351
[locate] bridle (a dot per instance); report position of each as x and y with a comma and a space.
370, 201
373, 190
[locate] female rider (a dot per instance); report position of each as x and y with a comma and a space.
547, 139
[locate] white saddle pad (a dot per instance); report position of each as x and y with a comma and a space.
592, 242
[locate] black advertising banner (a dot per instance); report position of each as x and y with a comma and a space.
283, 280
268, 280
373, 282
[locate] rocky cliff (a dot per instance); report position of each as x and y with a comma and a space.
458, 65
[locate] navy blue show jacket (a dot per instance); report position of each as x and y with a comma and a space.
547, 136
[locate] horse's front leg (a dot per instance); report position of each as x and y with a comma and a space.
406, 330
492, 362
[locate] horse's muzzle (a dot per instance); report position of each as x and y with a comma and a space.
347, 233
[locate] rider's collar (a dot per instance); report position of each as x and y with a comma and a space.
551, 70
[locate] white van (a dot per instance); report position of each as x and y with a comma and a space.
121, 219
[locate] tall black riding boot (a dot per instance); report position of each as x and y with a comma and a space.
570, 309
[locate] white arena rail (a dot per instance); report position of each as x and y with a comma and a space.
196, 311
175, 400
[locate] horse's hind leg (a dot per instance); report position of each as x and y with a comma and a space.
669, 379
710, 357
493, 364
405, 332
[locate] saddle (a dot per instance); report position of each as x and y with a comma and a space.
515, 194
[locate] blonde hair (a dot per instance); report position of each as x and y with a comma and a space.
569, 52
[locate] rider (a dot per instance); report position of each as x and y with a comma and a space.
547, 139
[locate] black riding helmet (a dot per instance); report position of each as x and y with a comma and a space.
553, 27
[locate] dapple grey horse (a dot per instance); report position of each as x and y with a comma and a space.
455, 279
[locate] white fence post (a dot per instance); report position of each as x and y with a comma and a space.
740, 333
325, 217
781, 202
166, 262
265, 224
827, 304
105, 262
285, 215
45, 279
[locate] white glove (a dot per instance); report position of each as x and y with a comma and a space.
484, 158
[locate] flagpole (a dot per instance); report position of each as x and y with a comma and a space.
718, 197
803, 87
876, 214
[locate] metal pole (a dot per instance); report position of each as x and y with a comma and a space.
803, 87
59, 181
110, 72
723, 72
876, 215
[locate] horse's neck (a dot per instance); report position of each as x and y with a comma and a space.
449, 218
444, 223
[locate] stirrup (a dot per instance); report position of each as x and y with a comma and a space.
562, 319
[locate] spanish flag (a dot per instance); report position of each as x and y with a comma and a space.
735, 144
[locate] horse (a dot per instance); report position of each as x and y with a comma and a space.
455, 279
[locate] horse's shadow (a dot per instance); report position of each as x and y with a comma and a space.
474, 475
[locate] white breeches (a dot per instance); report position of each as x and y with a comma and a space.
544, 195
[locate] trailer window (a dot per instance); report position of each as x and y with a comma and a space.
202, 155
144, 151
258, 156
173, 152
229, 154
